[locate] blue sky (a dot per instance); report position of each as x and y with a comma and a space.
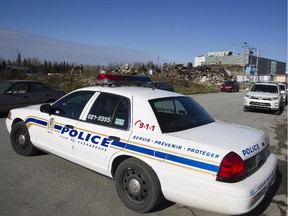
176, 31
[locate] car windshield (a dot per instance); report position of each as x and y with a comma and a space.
4, 86
265, 88
179, 113
229, 83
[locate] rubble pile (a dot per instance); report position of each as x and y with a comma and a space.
208, 74
205, 74
125, 70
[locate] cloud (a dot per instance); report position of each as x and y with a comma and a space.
43, 48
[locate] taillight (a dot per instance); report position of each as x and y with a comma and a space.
102, 76
232, 168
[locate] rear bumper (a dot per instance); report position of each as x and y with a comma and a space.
226, 198
227, 89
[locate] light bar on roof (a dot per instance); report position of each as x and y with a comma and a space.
110, 79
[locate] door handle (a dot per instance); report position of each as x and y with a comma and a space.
114, 138
69, 126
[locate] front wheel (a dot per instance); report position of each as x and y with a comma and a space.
138, 185
20, 140
278, 111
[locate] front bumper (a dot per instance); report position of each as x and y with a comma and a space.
262, 104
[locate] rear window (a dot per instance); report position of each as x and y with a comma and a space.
229, 83
179, 113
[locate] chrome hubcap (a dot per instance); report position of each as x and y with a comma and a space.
134, 186
22, 139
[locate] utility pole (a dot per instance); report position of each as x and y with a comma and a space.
245, 46
251, 52
257, 64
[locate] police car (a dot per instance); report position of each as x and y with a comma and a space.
155, 144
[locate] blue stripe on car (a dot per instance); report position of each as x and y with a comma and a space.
146, 151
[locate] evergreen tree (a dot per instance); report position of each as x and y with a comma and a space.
3, 65
18, 61
25, 63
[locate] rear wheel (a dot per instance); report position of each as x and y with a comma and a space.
20, 140
138, 185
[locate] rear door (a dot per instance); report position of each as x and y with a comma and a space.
104, 131
38, 93
16, 96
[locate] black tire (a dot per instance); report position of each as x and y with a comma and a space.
278, 112
246, 109
138, 185
20, 140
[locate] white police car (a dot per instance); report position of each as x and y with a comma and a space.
155, 144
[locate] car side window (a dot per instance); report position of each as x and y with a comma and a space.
37, 87
72, 105
19, 88
110, 110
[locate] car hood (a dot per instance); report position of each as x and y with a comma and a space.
28, 110
225, 136
262, 94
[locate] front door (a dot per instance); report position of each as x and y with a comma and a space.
56, 131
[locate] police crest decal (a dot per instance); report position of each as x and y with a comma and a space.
50, 125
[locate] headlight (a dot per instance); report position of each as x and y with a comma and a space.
275, 98
248, 96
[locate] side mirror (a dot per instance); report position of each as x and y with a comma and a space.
46, 108
247, 89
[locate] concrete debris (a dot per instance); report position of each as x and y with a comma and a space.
125, 70
208, 74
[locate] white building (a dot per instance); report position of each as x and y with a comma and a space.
220, 57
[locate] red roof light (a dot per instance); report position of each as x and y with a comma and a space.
121, 79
